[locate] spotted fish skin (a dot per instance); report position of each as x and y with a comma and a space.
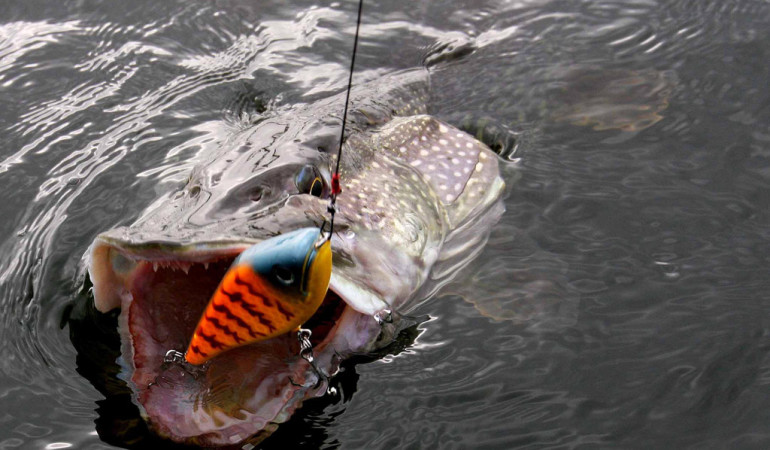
415, 180
458, 168
407, 188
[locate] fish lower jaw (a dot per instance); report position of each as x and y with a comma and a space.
240, 393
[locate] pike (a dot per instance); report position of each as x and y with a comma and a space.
418, 200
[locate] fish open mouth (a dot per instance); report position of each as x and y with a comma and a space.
162, 293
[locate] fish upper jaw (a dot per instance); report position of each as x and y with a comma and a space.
115, 256
114, 262
358, 297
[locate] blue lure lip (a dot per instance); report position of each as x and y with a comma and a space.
294, 252
308, 263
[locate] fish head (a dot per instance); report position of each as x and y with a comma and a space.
164, 269
418, 198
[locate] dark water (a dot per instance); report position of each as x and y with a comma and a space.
622, 301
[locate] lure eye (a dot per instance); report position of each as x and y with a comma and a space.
310, 181
283, 275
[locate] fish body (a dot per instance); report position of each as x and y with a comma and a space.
418, 200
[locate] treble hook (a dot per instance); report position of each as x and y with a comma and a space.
306, 352
177, 359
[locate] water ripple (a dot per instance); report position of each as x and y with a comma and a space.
80, 135
18, 39
620, 301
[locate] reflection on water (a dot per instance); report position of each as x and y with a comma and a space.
609, 99
621, 301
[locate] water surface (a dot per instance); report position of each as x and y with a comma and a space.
622, 301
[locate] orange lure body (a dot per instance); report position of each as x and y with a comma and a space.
271, 289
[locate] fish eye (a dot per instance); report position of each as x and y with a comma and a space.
255, 194
310, 181
317, 187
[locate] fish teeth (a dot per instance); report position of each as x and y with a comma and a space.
206, 266
155, 266
186, 268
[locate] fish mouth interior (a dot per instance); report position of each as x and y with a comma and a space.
162, 300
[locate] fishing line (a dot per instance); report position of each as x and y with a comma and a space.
303, 334
336, 189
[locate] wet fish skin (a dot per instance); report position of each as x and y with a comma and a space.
418, 200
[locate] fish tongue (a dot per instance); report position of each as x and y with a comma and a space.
239, 393
166, 306
236, 394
